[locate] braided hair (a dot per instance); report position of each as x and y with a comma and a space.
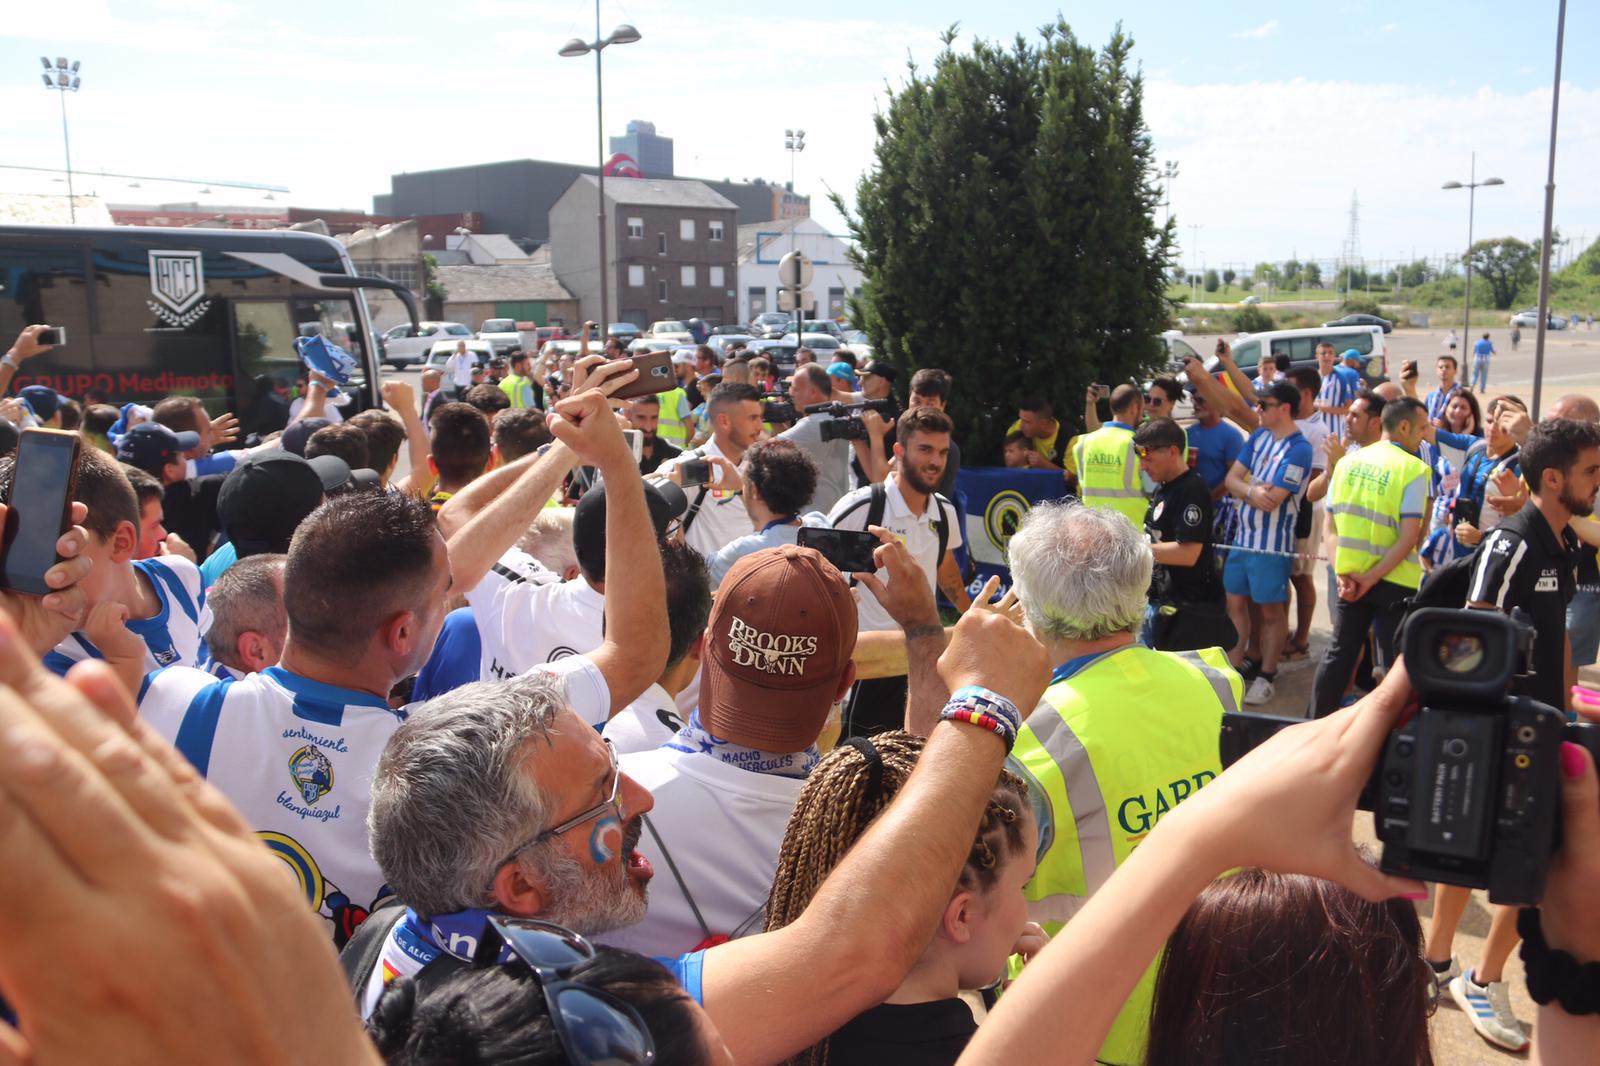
842, 797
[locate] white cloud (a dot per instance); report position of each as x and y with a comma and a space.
1388, 27
1268, 28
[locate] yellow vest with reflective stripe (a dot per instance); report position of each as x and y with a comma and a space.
1108, 473
671, 428
1106, 753
1365, 498
516, 389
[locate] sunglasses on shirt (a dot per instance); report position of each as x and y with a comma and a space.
594, 1027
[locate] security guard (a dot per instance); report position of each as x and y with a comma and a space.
1376, 502
674, 410
1108, 469
1123, 734
516, 385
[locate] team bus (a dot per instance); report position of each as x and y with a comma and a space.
212, 313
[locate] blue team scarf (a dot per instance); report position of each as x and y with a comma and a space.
694, 739
421, 940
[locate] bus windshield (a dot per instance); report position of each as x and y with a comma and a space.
151, 313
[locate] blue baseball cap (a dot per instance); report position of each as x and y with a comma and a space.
1351, 355
42, 400
843, 371
150, 446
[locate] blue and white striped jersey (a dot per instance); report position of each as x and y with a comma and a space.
296, 756
172, 637
1338, 389
1286, 464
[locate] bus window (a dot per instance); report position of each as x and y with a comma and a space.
43, 284
264, 334
1247, 353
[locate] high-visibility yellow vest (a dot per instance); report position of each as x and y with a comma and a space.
518, 389
1366, 499
1108, 472
1107, 752
671, 428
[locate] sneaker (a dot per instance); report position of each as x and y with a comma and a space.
1249, 668
1259, 692
1440, 979
1488, 1007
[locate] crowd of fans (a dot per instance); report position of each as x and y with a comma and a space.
574, 751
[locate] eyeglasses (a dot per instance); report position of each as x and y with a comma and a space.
577, 820
594, 1027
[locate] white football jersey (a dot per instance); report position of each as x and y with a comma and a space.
296, 756
173, 637
527, 617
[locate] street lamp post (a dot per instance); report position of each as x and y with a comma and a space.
62, 76
623, 34
1169, 170
1471, 186
794, 142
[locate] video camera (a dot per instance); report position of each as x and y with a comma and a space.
775, 406
845, 421
1467, 792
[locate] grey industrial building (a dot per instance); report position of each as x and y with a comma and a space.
514, 197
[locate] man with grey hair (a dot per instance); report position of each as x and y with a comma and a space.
248, 620
1123, 733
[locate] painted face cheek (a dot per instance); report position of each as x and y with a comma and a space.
605, 839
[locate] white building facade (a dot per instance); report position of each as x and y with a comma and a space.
763, 244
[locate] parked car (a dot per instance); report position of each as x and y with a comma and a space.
771, 324
1363, 320
1529, 319
401, 349
735, 330
652, 344
442, 350
817, 342
626, 332
502, 333
1301, 347
1251, 299
780, 352
721, 342
857, 341
671, 330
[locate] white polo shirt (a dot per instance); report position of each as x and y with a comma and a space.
722, 827
917, 532
646, 723
296, 757
526, 615
721, 518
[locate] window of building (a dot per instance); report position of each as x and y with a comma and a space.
717, 278
661, 244
636, 276
686, 229
636, 228
714, 230
661, 291
758, 300
835, 303
687, 277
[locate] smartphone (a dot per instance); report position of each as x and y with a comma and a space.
52, 335
1408, 369
635, 441
655, 375
695, 472
1102, 392
849, 550
1465, 510
39, 508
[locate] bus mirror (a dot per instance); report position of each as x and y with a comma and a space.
352, 281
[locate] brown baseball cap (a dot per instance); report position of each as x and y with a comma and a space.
781, 634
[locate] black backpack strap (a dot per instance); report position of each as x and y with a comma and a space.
360, 956
942, 525
700, 497
880, 502
705, 930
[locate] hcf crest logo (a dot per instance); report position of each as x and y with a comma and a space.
178, 283
311, 772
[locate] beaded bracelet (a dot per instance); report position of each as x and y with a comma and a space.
985, 709
991, 702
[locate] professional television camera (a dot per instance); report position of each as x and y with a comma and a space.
845, 423
776, 407
1467, 791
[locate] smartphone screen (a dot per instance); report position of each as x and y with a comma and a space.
849, 550
39, 507
695, 471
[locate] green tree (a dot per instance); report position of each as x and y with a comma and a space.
1311, 276
1007, 230
1265, 274
1417, 272
1229, 275
1289, 276
434, 292
1213, 282
1507, 264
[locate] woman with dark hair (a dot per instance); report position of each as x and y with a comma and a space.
1463, 415
612, 1007
1272, 968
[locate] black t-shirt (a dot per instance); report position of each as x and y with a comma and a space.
1522, 563
1180, 513
189, 509
904, 1034
660, 452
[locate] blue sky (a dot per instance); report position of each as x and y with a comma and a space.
1274, 115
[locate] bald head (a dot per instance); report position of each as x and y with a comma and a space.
1576, 407
1127, 400
1388, 390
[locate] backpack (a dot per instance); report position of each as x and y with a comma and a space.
1444, 586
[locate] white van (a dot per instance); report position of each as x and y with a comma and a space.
1300, 345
